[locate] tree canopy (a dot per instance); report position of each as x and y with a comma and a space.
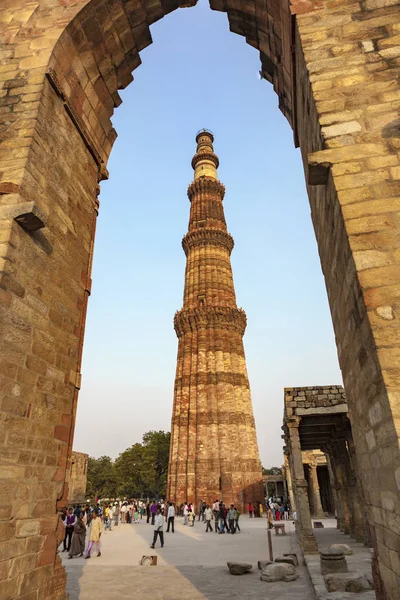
138, 472
272, 471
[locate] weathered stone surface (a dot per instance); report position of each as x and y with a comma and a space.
263, 564
279, 572
292, 555
345, 548
333, 561
290, 560
77, 477
239, 568
347, 582
335, 67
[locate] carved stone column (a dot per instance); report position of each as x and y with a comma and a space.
289, 484
360, 505
356, 516
333, 482
314, 492
299, 483
341, 486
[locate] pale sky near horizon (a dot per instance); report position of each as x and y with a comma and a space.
197, 74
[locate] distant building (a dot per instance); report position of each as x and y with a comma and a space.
77, 477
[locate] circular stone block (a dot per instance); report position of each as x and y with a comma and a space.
333, 561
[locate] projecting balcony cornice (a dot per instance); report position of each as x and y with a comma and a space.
210, 156
206, 184
207, 237
221, 317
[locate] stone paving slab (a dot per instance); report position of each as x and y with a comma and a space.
359, 562
191, 566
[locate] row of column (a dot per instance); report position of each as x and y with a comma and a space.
347, 494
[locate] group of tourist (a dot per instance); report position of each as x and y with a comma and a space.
82, 519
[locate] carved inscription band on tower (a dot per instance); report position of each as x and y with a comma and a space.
214, 451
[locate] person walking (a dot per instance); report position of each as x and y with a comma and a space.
69, 523
237, 519
136, 514
94, 535
221, 520
78, 538
215, 510
158, 528
232, 519
153, 511
185, 513
286, 511
270, 518
250, 509
208, 515
191, 516
148, 511
171, 517
116, 513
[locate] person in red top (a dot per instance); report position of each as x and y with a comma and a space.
250, 508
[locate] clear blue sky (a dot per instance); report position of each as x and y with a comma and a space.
197, 74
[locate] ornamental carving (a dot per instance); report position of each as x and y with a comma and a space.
222, 317
207, 237
212, 378
206, 184
219, 418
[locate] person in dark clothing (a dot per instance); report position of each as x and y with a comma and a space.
153, 510
69, 523
171, 517
148, 512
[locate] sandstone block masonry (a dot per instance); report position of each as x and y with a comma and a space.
214, 450
335, 67
77, 477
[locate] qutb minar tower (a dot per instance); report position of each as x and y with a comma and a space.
214, 451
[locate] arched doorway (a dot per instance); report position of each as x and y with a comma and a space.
334, 70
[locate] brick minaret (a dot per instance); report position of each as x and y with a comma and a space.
214, 451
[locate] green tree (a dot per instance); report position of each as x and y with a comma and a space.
101, 478
156, 455
139, 471
131, 473
272, 471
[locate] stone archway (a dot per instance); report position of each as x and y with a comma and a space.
334, 66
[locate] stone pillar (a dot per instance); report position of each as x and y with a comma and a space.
356, 516
341, 486
333, 484
360, 505
307, 539
289, 485
314, 493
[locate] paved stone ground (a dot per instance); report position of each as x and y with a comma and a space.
191, 566
359, 561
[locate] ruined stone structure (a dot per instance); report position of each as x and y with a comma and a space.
316, 473
334, 67
77, 476
316, 418
214, 450
275, 484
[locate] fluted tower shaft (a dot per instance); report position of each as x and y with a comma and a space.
214, 451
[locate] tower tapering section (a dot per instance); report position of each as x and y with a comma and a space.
214, 451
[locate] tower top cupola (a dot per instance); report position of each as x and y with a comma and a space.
205, 163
